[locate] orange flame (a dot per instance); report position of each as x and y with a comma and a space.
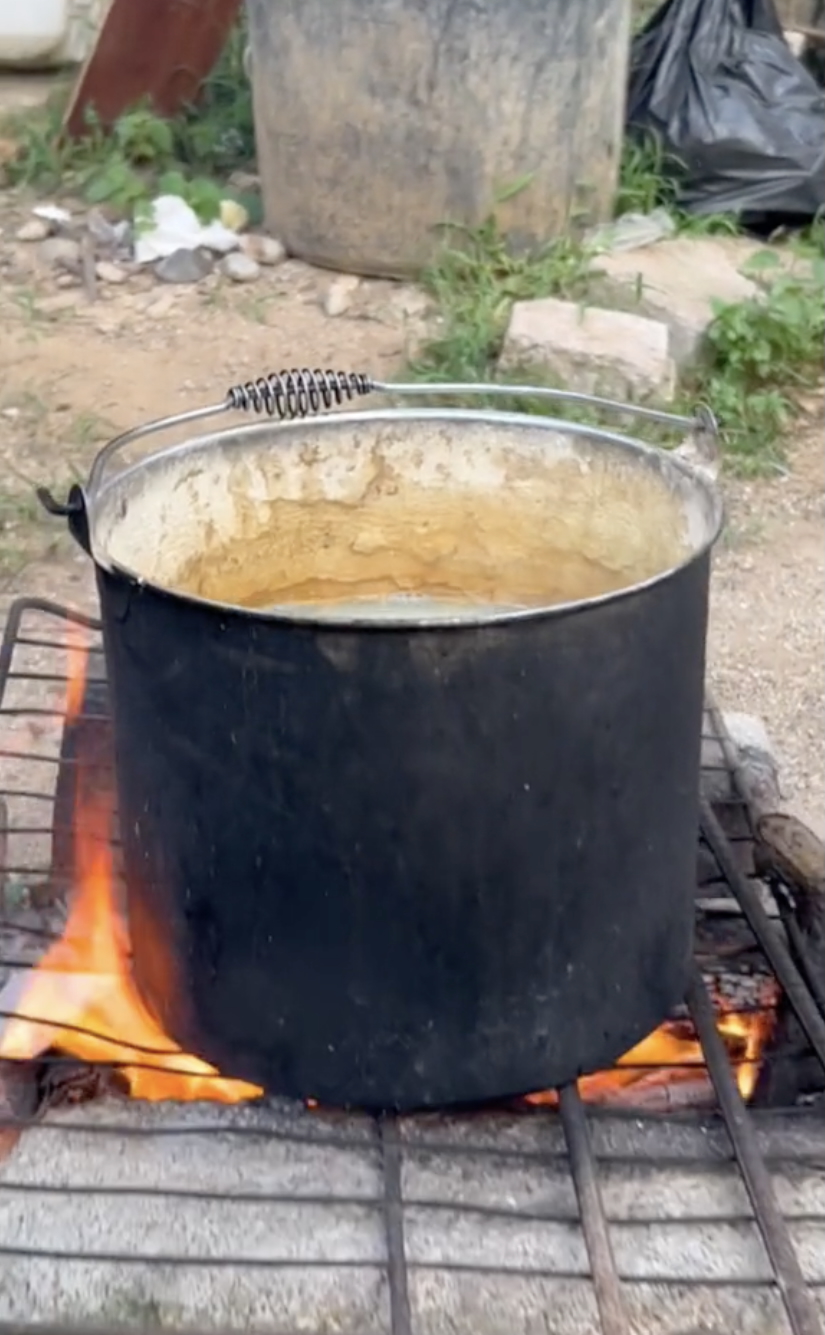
672, 1055
82, 999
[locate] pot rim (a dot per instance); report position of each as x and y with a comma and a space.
652, 456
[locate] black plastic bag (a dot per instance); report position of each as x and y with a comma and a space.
716, 83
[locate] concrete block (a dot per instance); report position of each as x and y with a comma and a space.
678, 279
592, 350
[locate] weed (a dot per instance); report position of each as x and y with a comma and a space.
475, 285
255, 308
25, 299
89, 428
649, 179
26, 404
760, 351
810, 243
217, 136
143, 153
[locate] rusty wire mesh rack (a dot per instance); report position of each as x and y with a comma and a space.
573, 1138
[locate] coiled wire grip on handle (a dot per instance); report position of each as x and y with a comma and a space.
293, 394
296, 394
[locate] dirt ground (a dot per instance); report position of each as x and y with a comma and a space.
75, 371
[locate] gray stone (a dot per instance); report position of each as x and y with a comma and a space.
36, 229
754, 753
242, 180
184, 266
105, 234
591, 350
160, 306
239, 267
340, 294
55, 306
757, 757
60, 252
632, 231
266, 250
679, 279
108, 272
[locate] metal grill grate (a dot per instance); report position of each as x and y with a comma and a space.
433, 1221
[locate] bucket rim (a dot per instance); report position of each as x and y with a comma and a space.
654, 457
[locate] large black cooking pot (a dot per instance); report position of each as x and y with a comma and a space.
407, 712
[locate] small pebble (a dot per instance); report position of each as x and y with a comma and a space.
36, 229
239, 267
267, 250
411, 303
102, 231
241, 180
108, 272
340, 294
58, 303
161, 306
61, 252
184, 266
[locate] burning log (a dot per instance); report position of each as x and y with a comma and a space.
791, 859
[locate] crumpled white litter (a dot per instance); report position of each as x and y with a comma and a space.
173, 225
52, 213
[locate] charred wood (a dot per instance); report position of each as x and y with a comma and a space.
791, 859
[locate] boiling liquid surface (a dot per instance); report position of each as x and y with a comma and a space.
320, 560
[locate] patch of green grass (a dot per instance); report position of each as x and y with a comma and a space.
763, 350
89, 428
474, 283
143, 153
649, 179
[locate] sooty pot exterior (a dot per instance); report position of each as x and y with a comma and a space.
400, 867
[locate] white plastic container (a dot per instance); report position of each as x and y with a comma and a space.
45, 34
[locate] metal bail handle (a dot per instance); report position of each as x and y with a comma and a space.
298, 394
291, 394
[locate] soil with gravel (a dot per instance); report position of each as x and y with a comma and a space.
75, 371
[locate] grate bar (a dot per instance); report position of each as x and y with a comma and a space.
609, 1299
801, 1311
779, 957
12, 637
400, 1315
